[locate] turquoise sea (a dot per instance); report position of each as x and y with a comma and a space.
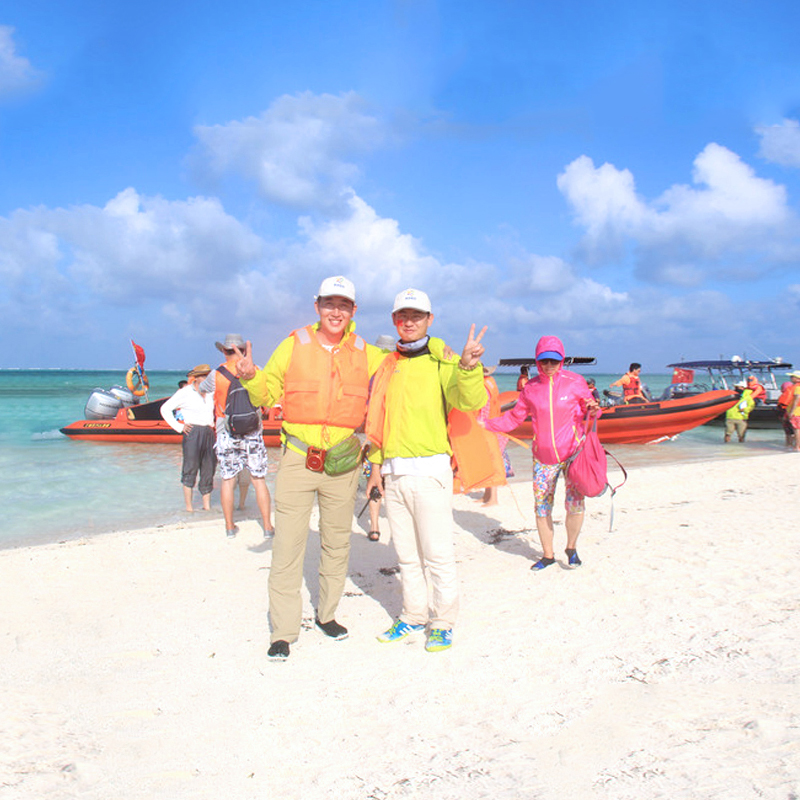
54, 488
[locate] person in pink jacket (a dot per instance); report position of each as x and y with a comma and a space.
557, 401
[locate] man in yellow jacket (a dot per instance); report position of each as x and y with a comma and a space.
407, 425
736, 416
321, 374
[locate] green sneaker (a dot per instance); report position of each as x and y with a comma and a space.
439, 639
399, 631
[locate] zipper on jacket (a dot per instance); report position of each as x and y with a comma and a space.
553, 421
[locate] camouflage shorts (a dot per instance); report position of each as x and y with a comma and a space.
235, 453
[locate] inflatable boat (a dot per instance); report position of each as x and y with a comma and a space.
142, 423
640, 423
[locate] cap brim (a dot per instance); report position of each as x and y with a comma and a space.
550, 354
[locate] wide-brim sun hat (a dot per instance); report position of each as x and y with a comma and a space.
200, 369
231, 340
413, 299
338, 286
794, 374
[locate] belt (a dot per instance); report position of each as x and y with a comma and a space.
296, 443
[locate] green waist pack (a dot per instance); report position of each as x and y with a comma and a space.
344, 457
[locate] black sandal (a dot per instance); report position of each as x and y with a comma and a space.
374, 536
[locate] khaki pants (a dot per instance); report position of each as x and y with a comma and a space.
295, 490
420, 514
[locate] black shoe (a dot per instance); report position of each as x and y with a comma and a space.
542, 563
278, 651
332, 629
572, 558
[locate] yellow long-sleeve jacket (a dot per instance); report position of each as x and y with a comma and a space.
421, 391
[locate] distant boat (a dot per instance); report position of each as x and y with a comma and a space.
640, 423
637, 423
723, 374
143, 424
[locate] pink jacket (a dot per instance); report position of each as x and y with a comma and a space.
557, 409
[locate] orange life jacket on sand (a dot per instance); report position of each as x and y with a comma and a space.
478, 462
323, 387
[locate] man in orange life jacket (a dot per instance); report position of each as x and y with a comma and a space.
757, 389
407, 425
631, 385
322, 372
236, 453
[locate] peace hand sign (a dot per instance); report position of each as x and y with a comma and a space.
245, 368
473, 349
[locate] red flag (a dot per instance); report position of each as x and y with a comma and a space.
139, 354
680, 375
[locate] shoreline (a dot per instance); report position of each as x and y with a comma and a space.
665, 666
690, 447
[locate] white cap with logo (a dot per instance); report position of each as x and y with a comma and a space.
337, 287
412, 298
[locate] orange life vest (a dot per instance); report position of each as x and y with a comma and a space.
759, 392
478, 462
323, 387
785, 400
633, 388
221, 386
494, 396
376, 413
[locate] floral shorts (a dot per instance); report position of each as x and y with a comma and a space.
545, 477
235, 453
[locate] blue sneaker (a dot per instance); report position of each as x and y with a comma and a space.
439, 639
572, 558
543, 562
399, 631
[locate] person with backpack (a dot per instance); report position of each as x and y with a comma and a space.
240, 439
322, 371
557, 402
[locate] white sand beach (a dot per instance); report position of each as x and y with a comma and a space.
134, 664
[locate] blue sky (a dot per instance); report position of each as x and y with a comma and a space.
623, 175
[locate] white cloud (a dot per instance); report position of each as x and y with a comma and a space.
151, 247
781, 143
297, 151
727, 213
16, 72
79, 262
370, 249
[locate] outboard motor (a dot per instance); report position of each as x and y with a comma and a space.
124, 394
102, 405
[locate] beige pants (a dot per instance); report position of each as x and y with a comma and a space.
420, 514
295, 490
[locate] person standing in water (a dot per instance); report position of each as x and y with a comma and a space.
196, 426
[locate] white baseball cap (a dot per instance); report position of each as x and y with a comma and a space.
412, 298
337, 287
